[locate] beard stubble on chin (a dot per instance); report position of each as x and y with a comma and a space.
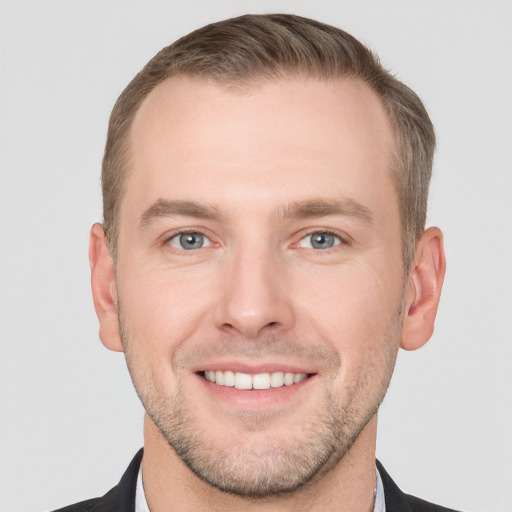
257, 464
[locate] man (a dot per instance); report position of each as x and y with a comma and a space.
263, 257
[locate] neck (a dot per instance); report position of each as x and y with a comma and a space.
170, 485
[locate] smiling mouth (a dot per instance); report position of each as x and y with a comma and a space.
247, 381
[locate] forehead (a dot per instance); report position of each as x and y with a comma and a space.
184, 101
294, 136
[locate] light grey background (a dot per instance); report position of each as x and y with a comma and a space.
69, 419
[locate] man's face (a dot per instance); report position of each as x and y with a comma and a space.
260, 243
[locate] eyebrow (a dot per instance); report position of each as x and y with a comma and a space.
324, 207
310, 208
166, 208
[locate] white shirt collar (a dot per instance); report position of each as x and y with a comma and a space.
379, 504
141, 505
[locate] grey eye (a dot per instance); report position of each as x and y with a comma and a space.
319, 240
189, 241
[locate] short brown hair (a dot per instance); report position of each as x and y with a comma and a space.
242, 50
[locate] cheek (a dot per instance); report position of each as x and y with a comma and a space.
159, 313
358, 314
356, 311
353, 306
162, 309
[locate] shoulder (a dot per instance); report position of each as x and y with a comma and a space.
398, 501
120, 498
419, 505
83, 506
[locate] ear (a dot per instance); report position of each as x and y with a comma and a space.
104, 288
423, 290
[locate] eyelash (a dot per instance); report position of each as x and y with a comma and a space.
168, 239
343, 239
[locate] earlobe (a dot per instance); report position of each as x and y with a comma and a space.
104, 288
423, 290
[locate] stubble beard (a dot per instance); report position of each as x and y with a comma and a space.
255, 468
259, 470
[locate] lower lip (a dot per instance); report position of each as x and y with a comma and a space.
255, 398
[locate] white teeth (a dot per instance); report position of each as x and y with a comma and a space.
261, 381
288, 379
298, 377
258, 381
229, 379
277, 379
243, 381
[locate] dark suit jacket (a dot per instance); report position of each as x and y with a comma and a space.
122, 497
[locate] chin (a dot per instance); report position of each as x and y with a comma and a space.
255, 462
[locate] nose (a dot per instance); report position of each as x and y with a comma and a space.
254, 298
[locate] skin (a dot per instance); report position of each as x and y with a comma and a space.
265, 167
